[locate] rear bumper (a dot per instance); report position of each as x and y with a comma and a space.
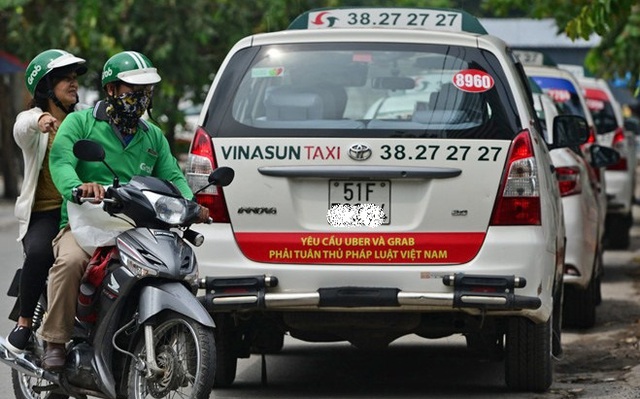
619, 191
519, 251
470, 292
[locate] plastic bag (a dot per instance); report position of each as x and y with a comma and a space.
92, 227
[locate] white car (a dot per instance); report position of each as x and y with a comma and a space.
621, 177
563, 87
343, 226
583, 268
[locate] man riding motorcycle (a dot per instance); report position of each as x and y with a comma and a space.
133, 146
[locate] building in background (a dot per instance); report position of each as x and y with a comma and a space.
540, 35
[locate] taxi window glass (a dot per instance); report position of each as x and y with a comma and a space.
602, 112
386, 90
563, 93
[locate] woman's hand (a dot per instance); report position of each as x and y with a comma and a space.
47, 123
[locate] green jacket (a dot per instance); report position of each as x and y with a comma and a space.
147, 154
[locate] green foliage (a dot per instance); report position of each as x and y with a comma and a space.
187, 41
616, 21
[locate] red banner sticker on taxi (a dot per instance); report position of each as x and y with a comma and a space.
473, 81
595, 105
596, 94
360, 248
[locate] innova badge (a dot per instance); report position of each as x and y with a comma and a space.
359, 152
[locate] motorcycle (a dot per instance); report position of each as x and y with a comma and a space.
140, 330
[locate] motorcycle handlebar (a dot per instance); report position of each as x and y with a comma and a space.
94, 199
77, 197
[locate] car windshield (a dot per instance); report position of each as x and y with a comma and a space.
372, 89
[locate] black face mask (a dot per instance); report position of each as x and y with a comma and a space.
126, 109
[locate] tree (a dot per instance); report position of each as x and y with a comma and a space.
616, 21
186, 41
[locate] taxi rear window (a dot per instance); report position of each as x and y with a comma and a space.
563, 93
604, 116
363, 89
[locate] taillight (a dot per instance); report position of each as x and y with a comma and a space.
590, 140
592, 136
619, 144
518, 201
594, 174
569, 180
201, 163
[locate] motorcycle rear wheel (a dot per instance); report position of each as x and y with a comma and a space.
23, 387
185, 349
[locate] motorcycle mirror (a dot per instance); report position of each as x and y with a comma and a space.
92, 151
88, 150
222, 176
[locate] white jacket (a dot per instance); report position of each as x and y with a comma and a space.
33, 144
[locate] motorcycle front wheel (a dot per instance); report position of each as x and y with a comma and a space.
185, 351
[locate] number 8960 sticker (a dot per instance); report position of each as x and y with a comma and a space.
473, 81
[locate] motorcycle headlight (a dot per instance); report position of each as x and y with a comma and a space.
134, 261
170, 210
137, 268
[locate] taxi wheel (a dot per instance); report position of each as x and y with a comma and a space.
598, 290
486, 344
268, 339
599, 273
556, 325
618, 231
580, 305
528, 364
226, 350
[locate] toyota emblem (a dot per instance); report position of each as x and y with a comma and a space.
359, 152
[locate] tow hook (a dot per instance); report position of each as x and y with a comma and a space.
489, 292
232, 293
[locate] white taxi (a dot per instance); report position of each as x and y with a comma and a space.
346, 224
583, 268
621, 177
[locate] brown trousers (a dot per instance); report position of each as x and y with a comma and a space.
62, 289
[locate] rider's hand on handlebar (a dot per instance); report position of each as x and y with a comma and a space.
203, 217
92, 190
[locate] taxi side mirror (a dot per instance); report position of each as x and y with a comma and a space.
569, 131
601, 157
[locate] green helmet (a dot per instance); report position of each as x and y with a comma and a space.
130, 67
47, 61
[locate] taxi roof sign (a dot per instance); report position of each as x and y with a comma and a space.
532, 57
440, 19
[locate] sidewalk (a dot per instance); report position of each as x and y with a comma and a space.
7, 219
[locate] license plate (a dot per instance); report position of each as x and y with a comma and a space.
353, 193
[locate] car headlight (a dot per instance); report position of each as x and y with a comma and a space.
170, 210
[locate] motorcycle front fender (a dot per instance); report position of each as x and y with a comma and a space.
172, 296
